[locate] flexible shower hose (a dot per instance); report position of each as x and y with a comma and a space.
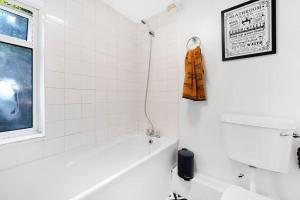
147, 85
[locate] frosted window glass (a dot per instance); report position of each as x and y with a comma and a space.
13, 25
15, 87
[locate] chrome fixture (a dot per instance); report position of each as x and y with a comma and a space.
151, 132
294, 134
241, 175
149, 29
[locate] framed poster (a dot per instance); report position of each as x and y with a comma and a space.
249, 29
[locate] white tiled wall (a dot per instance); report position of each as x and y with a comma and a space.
90, 80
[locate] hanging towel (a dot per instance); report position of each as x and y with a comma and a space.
194, 81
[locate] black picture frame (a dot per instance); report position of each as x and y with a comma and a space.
271, 30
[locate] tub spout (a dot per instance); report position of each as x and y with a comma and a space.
153, 133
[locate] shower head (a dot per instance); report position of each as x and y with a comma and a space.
149, 29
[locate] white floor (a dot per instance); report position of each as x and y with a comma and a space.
178, 197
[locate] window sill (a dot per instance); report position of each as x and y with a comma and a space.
8, 140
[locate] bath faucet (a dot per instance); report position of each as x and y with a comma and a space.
152, 133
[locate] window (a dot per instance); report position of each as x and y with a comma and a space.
19, 73
13, 25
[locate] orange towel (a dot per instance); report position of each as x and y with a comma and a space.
194, 81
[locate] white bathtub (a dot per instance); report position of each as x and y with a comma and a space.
129, 168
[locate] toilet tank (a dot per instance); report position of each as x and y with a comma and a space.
262, 142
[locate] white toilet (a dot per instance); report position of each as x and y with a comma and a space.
259, 142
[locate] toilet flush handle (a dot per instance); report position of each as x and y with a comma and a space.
295, 134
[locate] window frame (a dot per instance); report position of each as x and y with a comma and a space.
35, 42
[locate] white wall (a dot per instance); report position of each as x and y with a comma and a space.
265, 85
90, 79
